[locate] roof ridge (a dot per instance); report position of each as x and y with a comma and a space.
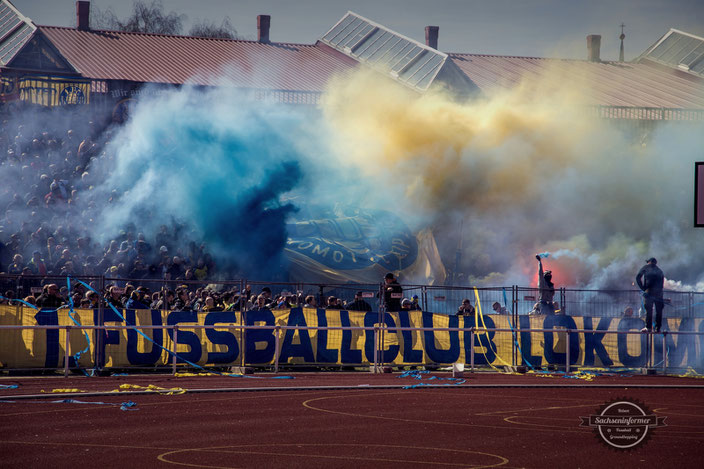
177, 36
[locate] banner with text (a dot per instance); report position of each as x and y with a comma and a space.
327, 341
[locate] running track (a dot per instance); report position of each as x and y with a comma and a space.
340, 420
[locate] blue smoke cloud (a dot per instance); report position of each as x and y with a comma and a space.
216, 167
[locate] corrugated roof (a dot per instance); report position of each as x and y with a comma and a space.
154, 58
679, 50
610, 83
15, 31
407, 61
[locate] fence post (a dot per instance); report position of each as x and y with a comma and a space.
471, 349
664, 354
376, 347
99, 334
67, 353
567, 355
173, 369
277, 329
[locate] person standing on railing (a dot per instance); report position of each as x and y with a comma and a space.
650, 280
547, 289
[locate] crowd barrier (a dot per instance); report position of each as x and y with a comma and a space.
129, 339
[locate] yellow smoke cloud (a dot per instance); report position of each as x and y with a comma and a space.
482, 152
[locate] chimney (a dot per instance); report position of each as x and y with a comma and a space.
593, 46
83, 15
263, 23
431, 36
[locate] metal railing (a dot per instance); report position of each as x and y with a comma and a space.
649, 345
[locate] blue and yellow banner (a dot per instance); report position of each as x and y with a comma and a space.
224, 344
54, 91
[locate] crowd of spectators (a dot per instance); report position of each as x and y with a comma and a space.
52, 188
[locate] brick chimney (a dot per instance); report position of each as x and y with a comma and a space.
431, 36
263, 23
593, 48
83, 15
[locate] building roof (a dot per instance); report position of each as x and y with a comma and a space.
409, 62
609, 83
15, 31
678, 50
155, 58
301, 72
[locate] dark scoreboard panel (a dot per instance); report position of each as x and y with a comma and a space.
699, 193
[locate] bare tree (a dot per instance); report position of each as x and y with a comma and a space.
143, 19
209, 29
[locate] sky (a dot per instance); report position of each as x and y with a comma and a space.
536, 28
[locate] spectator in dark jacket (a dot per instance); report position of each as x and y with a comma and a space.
50, 298
359, 304
392, 293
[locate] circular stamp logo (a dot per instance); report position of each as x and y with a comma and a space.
623, 424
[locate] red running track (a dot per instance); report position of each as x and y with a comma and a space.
298, 423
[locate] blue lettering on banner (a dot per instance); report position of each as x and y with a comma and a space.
387, 356
136, 357
225, 338
50, 318
559, 358
254, 336
593, 342
410, 355
304, 348
110, 336
486, 354
186, 337
324, 354
631, 361
347, 354
535, 361
439, 355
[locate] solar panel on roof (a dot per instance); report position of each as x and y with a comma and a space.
406, 60
679, 50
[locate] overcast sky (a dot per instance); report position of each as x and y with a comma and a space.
540, 28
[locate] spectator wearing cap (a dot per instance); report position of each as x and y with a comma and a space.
392, 293
415, 306
359, 304
406, 304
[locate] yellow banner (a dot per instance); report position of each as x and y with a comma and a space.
54, 91
223, 344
